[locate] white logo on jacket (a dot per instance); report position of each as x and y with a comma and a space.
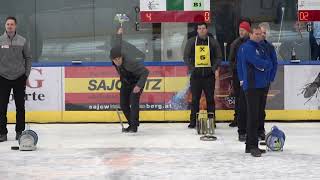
257, 52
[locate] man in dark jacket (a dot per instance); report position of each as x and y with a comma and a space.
15, 67
240, 102
271, 53
202, 55
253, 67
315, 41
133, 76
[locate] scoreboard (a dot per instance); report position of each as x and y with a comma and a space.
157, 11
309, 10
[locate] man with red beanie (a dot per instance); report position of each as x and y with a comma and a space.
240, 103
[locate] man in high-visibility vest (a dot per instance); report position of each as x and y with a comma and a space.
202, 55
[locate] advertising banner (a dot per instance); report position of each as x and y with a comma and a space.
98, 89
275, 100
43, 91
167, 88
302, 87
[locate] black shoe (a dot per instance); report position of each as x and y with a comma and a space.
3, 137
242, 137
131, 129
192, 125
255, 152
233, 124
18, 134
126, 129
262, 136
261, 150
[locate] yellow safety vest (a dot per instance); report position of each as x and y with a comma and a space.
202, 55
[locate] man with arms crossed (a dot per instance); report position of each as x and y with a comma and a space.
253, 72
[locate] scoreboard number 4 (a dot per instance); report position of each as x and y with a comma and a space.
149, 16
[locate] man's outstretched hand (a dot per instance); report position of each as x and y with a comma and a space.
120, 31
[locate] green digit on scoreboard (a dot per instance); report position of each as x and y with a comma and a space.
197, 4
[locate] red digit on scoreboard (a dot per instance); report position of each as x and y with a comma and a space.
149, 16
206, 16
304, 16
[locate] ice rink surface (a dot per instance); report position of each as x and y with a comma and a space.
157, 152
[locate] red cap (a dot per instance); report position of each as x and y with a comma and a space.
245, 25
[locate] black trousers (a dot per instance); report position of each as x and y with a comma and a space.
129, 103
262, 118
242, 112
19, 88
199, 84
254, 99
236, 93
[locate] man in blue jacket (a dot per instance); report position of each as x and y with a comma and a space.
253, 70
271, 53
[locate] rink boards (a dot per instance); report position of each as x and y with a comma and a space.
91, 94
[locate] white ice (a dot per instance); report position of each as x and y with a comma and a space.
157, 151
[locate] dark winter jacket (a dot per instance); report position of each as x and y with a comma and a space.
234, 47
215, 57
132, 71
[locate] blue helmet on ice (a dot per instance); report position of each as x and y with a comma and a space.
275, 139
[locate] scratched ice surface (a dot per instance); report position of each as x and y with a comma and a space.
158, 151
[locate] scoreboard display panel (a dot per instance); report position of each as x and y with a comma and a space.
309, 10
157, 11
